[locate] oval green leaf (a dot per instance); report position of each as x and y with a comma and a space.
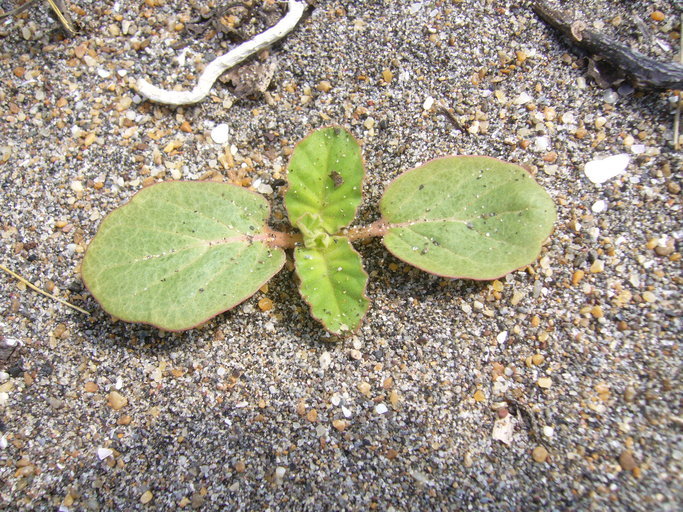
325, 176
333, 283
180, 253
468, 217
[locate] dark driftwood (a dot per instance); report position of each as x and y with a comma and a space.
642, 71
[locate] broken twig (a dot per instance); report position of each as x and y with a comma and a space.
225, 62
644, 72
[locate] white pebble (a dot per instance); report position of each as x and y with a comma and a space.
415, 7
522, 99
220, 133
325, 360
610, 96
502, 336
638, 149
4, 397
3, 442
103, 453
599, 171
103, 73
335, 399
346, 412
541, 144
599, 206
381, 409
429, 102
548, 431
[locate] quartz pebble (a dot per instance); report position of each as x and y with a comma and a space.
220, 133
604, 169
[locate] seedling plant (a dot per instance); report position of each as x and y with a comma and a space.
180, 253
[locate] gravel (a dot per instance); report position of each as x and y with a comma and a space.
257, 409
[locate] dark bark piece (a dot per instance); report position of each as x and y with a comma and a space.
642, 71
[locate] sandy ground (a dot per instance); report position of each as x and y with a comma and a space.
255, 410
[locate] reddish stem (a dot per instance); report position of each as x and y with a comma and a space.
290, 240
283, 240
377, 228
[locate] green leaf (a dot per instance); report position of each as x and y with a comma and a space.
333, 283
466, 216
180, 253
325, 176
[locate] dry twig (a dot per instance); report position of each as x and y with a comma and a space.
644, 72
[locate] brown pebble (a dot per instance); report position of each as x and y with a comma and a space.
324, 86
186, 127
116, 400
657, 16
539, 454
673, 187
626, 460
240, 466
340, 425
124, 420
91, 387
391, 454
502, 412
265, 304
312, 415
537, 359
577, 277
479, 396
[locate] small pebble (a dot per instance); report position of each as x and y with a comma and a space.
626, 460
544, 382
602, 170
116, 400
220, 133
340, 425
146, 497
599, 206
381, 409
539, 454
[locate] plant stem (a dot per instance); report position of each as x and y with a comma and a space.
377, 228
282, 240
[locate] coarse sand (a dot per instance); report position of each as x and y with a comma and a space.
573, 363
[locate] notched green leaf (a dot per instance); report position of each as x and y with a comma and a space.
333, 283
469, 217
325, 177
180, 253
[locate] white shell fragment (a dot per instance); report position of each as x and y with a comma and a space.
220, 133
503, 429
599, 171
103, 453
